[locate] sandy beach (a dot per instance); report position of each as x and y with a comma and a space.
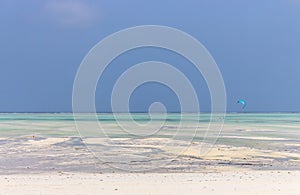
44, 155
249, 182
47, 166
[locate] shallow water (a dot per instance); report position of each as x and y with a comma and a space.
269, 126
45, 142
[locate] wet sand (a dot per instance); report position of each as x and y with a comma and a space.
66, 166
42, 155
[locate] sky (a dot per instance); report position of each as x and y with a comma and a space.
255, 43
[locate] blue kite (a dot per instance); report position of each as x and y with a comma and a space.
243, 102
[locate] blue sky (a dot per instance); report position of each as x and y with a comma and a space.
256, 45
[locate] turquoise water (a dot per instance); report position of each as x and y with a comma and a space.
246, 127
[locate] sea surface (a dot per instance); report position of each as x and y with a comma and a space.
38, 142
246, 127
